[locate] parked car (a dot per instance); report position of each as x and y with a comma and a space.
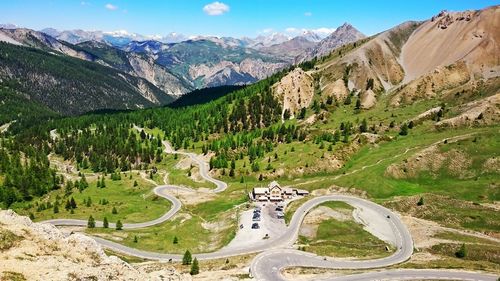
255, 226
241, 226
256, 219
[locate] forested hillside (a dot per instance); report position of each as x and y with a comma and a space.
72, 86
317, 119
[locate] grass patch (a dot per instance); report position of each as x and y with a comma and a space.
292, 207
12, 276
449, 212
373, 179
8, 239
124, 257
475, 252
134, 204
452, 236
344, 239
204, 227
337, 205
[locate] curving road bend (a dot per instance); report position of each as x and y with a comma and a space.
277, 254
203, 166
159, 190
285, 241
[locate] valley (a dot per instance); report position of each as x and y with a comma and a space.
397, 147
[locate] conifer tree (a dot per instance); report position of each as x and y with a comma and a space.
91, 222
195, 269
186, 259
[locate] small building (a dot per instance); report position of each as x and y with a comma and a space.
275, 193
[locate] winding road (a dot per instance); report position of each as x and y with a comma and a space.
277, 253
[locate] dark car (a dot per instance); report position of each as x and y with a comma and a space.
255, 226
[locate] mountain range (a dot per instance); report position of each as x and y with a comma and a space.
157, 71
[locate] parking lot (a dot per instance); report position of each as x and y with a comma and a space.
270, 224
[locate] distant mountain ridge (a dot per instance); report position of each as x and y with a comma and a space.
345, 34
145, 73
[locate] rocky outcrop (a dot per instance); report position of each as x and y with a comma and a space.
159, 76
433, 83
38, 251
368, 99
344, 34
295, 91
336, 89
230, 73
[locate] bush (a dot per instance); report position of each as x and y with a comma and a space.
420, 201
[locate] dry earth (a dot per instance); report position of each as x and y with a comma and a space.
42, 252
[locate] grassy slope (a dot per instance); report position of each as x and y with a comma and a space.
134, 204
343, 238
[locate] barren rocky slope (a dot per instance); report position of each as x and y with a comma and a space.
452, 53
344, 34
36, 251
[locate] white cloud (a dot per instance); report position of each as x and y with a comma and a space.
84, 3
292, 30
308, 14
216, 9
111, 7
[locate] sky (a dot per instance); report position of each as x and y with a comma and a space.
236, 18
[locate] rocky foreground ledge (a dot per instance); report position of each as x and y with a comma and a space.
36, 251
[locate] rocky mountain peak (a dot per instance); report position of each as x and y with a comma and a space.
344, 34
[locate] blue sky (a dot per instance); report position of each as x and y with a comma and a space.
225, 18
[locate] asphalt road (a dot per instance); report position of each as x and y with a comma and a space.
277, 254
203, 167
416, 274
288, 238
159, 190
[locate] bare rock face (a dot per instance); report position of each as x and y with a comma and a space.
295, 90
368, 99
39, 251
342, 35
230, 73
157, 75
336, 89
